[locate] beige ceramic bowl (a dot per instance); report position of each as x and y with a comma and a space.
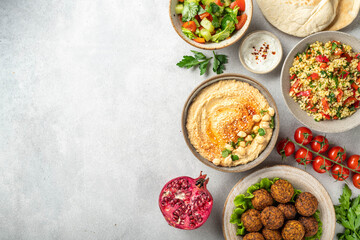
300, 180
328, 126
175, 20
263, 91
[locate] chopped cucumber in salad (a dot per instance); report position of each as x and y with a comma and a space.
211, 20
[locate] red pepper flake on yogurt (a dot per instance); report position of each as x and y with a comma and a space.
260, 52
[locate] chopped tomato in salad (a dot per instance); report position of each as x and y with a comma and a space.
211, 20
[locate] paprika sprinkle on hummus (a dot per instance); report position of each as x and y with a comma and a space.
230, 123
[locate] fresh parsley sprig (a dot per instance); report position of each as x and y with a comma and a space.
199, 59
348, 215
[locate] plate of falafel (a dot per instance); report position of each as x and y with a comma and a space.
280, 202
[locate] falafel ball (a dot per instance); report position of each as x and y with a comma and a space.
262, 199
272, 218
282, 191
251, 220
271, 234
310, 224
288, 209
254, 236
293, 230
306, 204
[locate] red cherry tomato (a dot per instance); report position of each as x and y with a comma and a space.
356, 180
340, 173
285, 147
319, 144
337, 154
353, 162
303, 135
320, 164
303, 156
239, 3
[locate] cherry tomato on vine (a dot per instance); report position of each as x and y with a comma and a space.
303, 135
303, 156
320, 164
356, 180
285, 147
319, 144
337, 154
340, 173
353, 162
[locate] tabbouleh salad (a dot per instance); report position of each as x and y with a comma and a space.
211, 20
325, 80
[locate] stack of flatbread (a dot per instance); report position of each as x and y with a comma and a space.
304, 17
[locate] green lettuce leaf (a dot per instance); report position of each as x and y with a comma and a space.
319, 232
188, 33
190, 11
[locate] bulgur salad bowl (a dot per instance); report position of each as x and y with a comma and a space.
320, 81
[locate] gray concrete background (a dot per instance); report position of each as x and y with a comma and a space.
90, 111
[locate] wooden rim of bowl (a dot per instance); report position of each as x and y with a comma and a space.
265, 168
203, 46
268, 97
241, 57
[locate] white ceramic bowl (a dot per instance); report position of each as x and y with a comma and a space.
264, 154
328, 126
278, 49
236, 36
300, 180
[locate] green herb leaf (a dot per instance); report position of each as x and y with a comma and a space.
234, 157
188, 62
204, 66
261, 131
272, 123
239, 140
225, 153
199, 59
198, 55
247, 143
262, 112
219, 63
334, 46
347, 213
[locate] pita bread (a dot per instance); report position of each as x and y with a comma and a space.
346, 12
299, 17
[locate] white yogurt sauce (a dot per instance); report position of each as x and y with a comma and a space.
261, 52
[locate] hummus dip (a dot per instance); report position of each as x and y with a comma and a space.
230, 123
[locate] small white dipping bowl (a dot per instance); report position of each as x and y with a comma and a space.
260, 52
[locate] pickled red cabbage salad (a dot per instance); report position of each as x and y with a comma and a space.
211, 20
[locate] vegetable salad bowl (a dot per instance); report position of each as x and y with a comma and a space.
234, 37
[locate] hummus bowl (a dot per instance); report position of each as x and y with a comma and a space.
230, 122
300, 180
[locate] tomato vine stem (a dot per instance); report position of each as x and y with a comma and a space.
335, 162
